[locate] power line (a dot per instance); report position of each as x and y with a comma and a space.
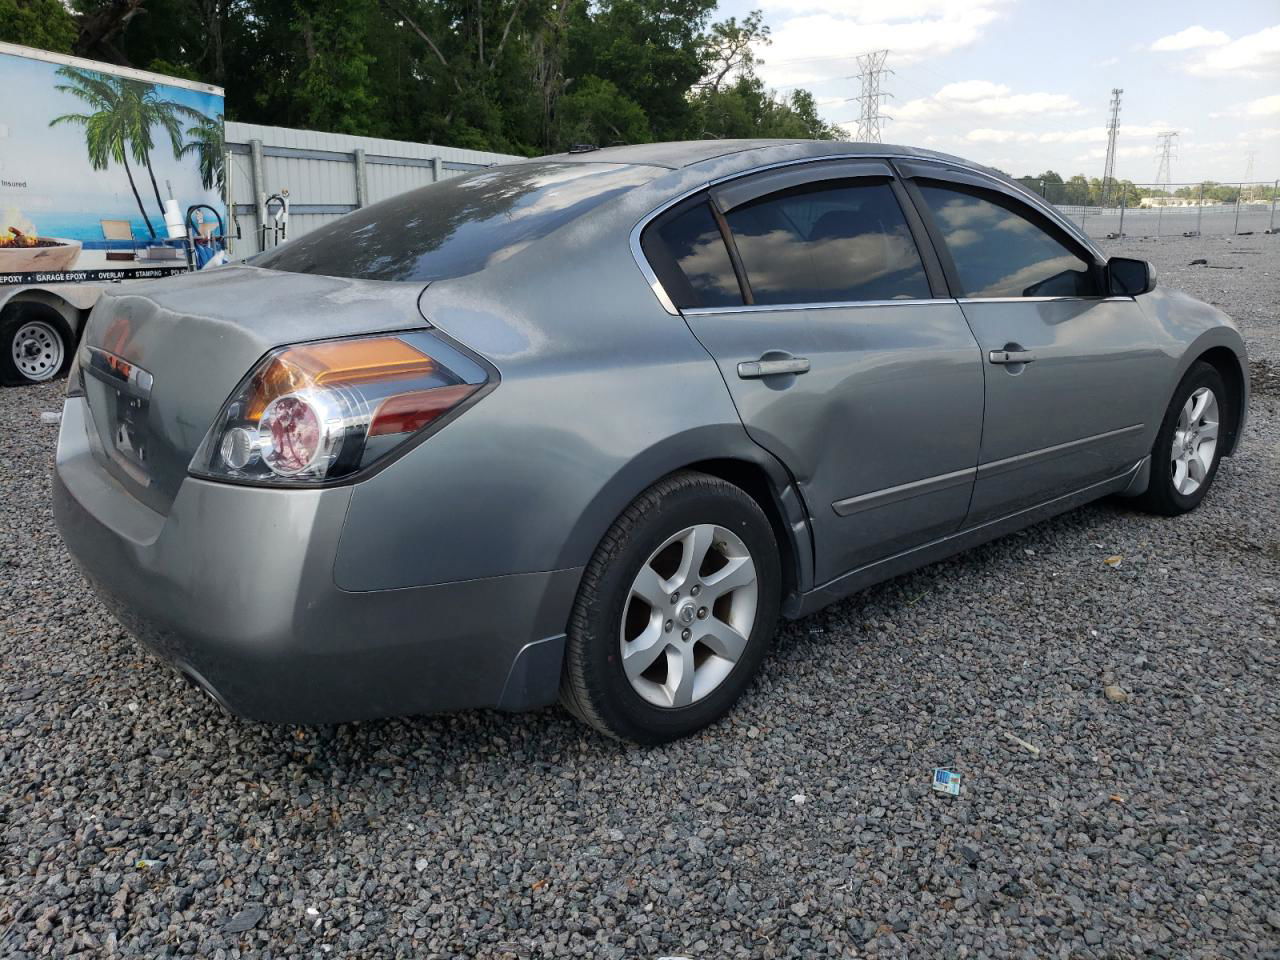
1113, 131
870, 69
1168, 151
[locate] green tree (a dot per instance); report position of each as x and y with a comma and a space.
333, 84
515, 76
107, 128
732, 101
653, 52
46, 24
1075, 191
596, 112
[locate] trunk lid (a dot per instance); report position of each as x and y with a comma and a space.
161, 358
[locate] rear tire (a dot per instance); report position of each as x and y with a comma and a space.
1188, 448
675, 613
35, 345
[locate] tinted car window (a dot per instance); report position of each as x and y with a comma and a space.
457, 226
687, 252
828, 242
999, 252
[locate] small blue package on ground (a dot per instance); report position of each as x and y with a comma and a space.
946, 781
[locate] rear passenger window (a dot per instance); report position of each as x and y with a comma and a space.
830, 242
1001, 252
688, 254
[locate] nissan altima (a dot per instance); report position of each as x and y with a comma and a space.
584, 427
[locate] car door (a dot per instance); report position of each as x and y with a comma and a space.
843, 356
1068, 368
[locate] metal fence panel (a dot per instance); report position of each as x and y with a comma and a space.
327, 175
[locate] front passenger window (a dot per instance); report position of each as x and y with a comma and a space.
999, 252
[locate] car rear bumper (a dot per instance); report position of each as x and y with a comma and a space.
234, 586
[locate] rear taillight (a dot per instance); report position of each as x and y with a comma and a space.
317, 412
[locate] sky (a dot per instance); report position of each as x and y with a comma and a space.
1025, 85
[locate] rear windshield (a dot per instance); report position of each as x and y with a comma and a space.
455, 227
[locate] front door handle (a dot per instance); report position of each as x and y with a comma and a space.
1011, 356
752, 369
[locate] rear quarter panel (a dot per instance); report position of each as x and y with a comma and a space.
602, 392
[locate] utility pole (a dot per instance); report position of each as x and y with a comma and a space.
1168, 151
870, 68
1113, 130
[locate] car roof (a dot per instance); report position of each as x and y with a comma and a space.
684, 153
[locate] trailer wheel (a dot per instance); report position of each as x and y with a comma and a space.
35, 344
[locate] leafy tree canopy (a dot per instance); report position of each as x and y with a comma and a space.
46, 24
516, 76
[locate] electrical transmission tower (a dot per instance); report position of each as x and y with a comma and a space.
1248, 169
870, 68
1113, 130
1168, 151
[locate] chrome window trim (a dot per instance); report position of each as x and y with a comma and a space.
1111, 299
1024, 194
820, 305
637, 252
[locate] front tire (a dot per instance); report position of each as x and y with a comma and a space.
675, 613
1188, 448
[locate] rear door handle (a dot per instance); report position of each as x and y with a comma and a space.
1011, 356
752, 369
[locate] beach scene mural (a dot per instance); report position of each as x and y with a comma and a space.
89, 162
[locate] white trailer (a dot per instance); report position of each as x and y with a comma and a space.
105, 172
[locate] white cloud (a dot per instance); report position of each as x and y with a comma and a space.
1190, 39
876, 11
987, 135
986, 99
817, 40
1263, 106
1253, 54
1080, 135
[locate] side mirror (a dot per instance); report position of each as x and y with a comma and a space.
1130, 278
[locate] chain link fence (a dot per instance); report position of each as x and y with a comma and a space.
1125, 209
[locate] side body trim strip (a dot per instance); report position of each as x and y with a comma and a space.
944, 481
905, 491
996, 467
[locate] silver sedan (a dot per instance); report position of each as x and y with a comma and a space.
583, 428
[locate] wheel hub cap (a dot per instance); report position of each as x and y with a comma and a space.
687, 619
37, 350
1195, 441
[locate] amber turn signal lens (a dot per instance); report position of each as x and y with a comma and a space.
336, 363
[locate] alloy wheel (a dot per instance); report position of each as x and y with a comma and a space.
1195, 441
688, 615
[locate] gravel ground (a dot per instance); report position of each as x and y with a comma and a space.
136, 819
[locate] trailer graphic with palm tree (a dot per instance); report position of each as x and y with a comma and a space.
91, 159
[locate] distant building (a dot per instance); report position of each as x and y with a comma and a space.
1175, 202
